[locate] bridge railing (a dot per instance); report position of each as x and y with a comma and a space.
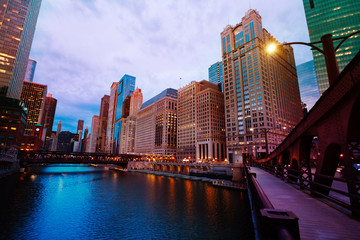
270, 223
306, 181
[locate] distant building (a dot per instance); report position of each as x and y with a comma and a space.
340, 18
85, 141
156, 125
18, 21
94, 134
109, 143
216, 75
33, 95
30, 70
261, 91
309, 90
126, 87
103, 119
78, 144
54, 145
12, 122
48, 116
64, 141
127, 143
201, 127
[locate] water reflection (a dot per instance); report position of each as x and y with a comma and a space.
69, 202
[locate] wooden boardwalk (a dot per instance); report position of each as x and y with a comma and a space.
317, 220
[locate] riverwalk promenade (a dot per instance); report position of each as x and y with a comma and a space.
317, 220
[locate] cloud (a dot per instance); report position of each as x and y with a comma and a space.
83, 46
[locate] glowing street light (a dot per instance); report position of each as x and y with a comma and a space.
328, 51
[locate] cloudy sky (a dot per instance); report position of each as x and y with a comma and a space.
82, 46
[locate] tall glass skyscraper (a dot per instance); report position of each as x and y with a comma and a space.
340, 18
126, 88
216, 74
18, 20
309, 90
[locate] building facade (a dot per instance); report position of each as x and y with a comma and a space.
109, 144
309, 90
103, 119
125, 89
48, 116
127, 143
200, 122
17, 31
94, 133
216, 75
33, 95
156, 125
262, 99
12, 122
30, 70
339, 18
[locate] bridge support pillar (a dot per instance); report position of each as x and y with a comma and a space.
238, 172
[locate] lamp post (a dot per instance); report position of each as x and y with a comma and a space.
328, 51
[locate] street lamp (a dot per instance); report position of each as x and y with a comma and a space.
328, 51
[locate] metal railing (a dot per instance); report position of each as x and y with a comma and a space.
306, 181
269, 223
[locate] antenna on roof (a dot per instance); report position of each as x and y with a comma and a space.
179, 82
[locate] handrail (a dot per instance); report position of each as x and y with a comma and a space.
295, 176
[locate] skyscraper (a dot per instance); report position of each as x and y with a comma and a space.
103, 118
216, 74
93, 134
201, 127
157, 124
127, 142
55, 140
78, 144
309, 90
262, 99
340, 18
18, 21
126, 87
30, 70
48, 115
33, 95
109, 143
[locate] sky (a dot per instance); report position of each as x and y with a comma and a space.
83, 46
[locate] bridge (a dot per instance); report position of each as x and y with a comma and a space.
39, 157
326, 140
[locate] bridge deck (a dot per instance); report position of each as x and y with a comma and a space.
317, 220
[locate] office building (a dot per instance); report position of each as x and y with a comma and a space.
309, 90
48, 115
103, 119
85, 141
156, 125
216, 74
109, 143
339, 18
201, 127
35, 140
33, 95
30, 70
93, 134
262, 99
127, 142
18, 21
55, 138
125, 89
65, 140
78, 144
12, 122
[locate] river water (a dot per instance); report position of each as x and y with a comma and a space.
83, 202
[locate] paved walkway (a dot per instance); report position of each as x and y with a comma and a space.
317, 220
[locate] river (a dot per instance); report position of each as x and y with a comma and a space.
84, 202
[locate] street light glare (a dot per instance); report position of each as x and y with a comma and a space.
271, 48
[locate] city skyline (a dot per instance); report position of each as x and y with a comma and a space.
88, 46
